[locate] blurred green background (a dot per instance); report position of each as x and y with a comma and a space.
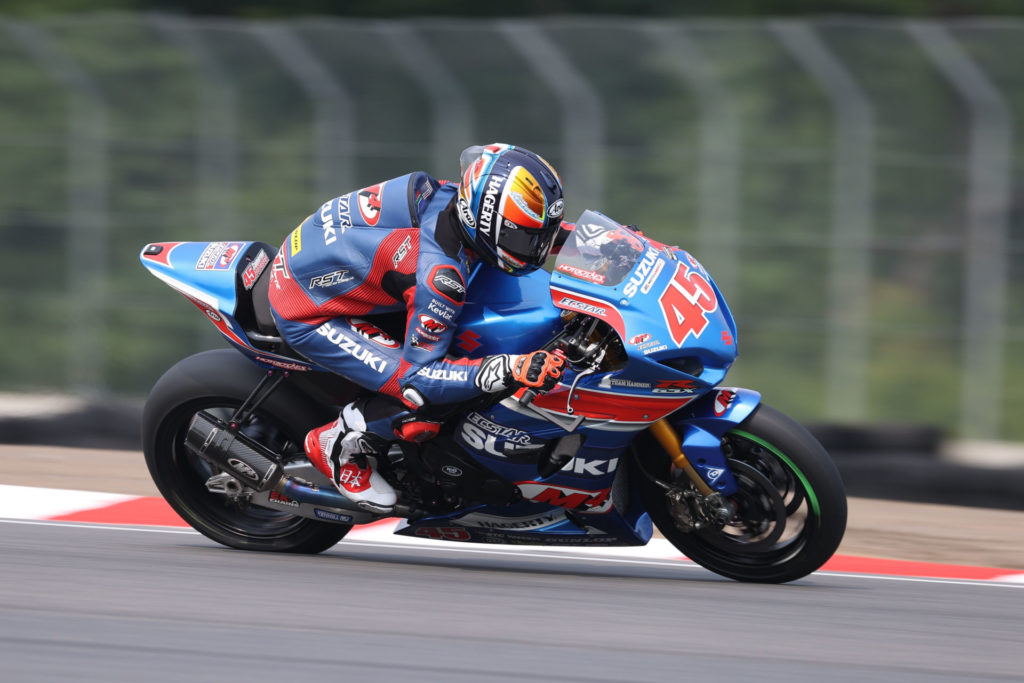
850, 181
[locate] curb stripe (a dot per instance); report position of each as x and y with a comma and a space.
24, 502
139, 512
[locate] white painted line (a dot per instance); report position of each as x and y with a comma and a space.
105, 527
920, 579
26, 502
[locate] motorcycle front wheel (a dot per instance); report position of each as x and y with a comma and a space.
218, 382
790, 506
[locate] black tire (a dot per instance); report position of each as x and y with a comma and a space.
791, 506
218, 382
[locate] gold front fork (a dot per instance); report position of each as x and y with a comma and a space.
669, 440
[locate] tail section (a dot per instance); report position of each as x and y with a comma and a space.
227, 281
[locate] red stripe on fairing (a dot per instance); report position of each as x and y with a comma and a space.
609, 313
219, 321
164, 257
611, 405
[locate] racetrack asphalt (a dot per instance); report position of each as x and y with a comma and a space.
102, 602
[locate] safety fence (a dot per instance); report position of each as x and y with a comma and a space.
850, 184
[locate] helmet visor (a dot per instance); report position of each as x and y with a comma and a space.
527, 246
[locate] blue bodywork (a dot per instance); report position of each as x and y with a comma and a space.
678, 339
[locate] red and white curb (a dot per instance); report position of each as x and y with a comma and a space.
61, 505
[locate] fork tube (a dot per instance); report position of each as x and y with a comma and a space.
669, 440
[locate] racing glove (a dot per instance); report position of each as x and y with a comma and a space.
538, 370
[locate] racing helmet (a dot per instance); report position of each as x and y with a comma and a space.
509, 206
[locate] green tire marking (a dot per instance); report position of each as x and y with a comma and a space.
811, 496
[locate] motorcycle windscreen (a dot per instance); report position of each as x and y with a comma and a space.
659, 299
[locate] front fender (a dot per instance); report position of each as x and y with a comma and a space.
701, 426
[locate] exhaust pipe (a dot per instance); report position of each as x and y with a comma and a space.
249, 461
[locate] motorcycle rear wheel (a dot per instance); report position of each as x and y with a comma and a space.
790, 507
218, 382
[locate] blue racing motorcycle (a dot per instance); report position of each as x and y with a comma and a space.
639, 434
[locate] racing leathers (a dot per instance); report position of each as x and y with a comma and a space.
392, 247
374, 251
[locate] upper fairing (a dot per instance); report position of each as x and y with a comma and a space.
659, 299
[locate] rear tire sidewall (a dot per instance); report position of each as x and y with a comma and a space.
224, 377
815, 467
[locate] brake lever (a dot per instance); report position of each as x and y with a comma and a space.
592, 368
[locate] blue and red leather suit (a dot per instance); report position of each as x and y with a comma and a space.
373, 251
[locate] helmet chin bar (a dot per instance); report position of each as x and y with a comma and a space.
512, 265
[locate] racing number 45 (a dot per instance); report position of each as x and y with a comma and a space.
685, 303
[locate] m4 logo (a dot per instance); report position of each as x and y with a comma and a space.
686, 302
564, 496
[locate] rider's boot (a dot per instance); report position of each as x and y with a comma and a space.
346, 455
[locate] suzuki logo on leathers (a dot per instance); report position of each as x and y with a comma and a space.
444, 374
352, 347
327, 218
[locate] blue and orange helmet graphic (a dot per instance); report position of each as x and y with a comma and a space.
510, 206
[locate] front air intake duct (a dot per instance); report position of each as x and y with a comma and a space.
251, 463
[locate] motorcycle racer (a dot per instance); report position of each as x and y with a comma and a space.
408, 245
